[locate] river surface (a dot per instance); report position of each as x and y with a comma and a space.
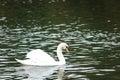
90, 28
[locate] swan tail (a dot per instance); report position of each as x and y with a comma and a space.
20, 61
26, 62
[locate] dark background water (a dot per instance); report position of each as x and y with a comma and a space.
90, 27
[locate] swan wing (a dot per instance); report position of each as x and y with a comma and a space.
40, 56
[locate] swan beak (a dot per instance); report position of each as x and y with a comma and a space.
66, 49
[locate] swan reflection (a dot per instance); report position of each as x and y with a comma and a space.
40, 73
61, 73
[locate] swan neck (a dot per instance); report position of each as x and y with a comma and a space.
60, 55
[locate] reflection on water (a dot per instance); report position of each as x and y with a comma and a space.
93, 54
90, 28
40, 73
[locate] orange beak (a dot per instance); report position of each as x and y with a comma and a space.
66, 49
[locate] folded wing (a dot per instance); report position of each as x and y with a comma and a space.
39, 55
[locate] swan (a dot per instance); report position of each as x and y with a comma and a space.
41, 58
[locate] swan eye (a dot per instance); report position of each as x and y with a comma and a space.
67, 47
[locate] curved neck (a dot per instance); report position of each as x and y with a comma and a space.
60, 55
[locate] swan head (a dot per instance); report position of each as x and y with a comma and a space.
64, 46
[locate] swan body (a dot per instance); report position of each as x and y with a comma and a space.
41, 58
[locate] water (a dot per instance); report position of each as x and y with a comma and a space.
90, 28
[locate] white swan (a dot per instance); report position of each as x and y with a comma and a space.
40, 58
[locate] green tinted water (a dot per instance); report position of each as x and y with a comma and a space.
91, 28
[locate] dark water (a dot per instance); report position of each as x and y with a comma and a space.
91, 28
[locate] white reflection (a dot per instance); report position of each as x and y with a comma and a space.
39, 73
2, 19
61, 72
